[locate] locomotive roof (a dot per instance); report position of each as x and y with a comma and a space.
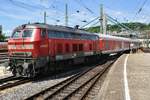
55, 28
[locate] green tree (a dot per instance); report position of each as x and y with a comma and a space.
137, 26
2, 37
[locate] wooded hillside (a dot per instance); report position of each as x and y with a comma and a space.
133, 25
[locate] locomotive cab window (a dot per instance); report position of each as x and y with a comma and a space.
16, 34
43, 33
27, 33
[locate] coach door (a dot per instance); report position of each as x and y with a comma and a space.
101, 44
96, 43
44, 43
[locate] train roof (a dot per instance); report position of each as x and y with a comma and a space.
103, 36
73, 30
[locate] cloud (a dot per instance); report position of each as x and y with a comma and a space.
19, 13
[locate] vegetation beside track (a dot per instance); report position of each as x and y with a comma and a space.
2, 37
132, 25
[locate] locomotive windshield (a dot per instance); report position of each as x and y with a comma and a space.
27, 33
16, 34
22, 33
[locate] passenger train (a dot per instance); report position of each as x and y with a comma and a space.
37, 47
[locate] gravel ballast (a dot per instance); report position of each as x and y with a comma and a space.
26, 90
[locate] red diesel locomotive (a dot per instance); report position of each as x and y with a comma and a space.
35, 48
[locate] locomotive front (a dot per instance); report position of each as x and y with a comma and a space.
23, 48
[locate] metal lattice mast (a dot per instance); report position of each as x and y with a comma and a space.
66, 14
45, 17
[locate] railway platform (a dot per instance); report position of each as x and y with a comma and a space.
128, 79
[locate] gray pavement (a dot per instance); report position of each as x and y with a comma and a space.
128, 79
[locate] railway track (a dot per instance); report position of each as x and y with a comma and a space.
76, 87
10, 78
11, 81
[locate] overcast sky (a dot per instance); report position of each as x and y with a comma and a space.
17, 12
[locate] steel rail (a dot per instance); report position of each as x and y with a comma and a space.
10, 85
67, 84
93, 83
52, 91
62, 83
93, 79
10, 78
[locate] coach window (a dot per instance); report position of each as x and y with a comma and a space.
92, 37
51, 34
65, 35
73, 36
69, 35
82, 37
43, 32
95, 38
78, 36
61, 34
57, 35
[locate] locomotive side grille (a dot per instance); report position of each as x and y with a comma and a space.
25, 46
21, 54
